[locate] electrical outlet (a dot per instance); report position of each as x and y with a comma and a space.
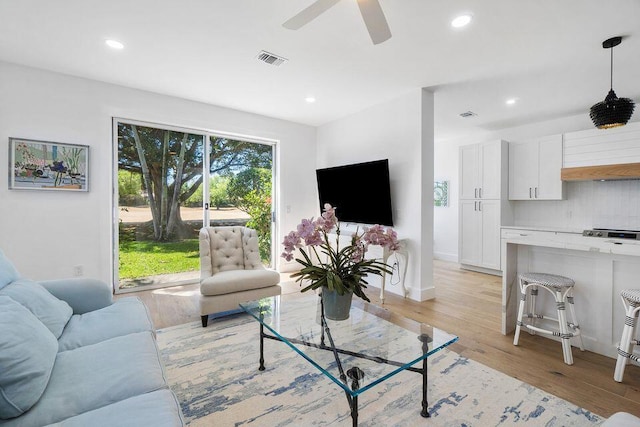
78, 270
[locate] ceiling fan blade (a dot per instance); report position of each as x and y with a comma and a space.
374, 20
307, 15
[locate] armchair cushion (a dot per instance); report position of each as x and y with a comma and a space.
221, 248
51, 311
125, 316
227, 282
27, 355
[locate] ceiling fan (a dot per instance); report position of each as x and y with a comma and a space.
369, 9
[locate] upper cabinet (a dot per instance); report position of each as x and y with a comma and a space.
482, 168
534, 169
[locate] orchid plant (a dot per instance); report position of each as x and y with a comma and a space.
346, 268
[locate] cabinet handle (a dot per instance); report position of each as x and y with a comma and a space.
480, 206
480, 193
475, 193
536, 192
529, 192
475, 206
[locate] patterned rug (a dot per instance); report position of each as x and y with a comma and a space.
214, 373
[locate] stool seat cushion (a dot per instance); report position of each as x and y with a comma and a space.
548, 280
632, 295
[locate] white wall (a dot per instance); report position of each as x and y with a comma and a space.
400, 130
587, 205
47, 233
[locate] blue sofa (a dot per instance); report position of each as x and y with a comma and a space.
70, 356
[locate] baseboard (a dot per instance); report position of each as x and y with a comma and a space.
443, 256
481, 269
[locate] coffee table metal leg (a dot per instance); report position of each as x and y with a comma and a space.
261, 368
425, 403
425, 339
356, 374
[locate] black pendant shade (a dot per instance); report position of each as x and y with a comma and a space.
613, 111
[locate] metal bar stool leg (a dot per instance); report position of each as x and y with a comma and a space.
575, 325
523, 303
627, 342
565, 335
532, 309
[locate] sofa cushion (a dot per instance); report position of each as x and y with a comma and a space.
97, 375
8, 272
227, 282
159, 409
125, 316
51, 311
27, 355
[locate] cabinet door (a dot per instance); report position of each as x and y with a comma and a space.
490, 170
470, 233
550, 186
490, 213
469, 172
523, 170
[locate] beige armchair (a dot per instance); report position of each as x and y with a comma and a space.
231, 270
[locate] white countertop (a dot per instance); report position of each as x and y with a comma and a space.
552, 229
565, 239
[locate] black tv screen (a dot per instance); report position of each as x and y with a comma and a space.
359, 192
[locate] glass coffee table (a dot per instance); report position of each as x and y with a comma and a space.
357, 354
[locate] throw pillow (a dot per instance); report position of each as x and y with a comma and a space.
8, 272
27, 353
51, 311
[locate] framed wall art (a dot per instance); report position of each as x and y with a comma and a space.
441, 194
43, 165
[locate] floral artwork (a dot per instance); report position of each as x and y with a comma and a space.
41, 165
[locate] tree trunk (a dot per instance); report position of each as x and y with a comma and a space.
155, 214
174, 213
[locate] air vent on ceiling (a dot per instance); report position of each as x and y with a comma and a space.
271, 58
468, 114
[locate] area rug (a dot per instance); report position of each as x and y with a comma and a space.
214, 373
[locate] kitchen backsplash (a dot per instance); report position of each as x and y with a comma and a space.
588, 204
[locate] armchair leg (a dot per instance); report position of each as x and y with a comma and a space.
205, 320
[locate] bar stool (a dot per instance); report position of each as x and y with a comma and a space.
562, 290
631, 301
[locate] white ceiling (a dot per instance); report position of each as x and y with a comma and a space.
546, 53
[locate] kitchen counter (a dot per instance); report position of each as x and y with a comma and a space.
601, 268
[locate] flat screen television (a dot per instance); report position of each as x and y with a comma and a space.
360, 192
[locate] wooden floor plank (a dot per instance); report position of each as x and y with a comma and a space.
468, 304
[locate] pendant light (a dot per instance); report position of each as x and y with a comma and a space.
613, 111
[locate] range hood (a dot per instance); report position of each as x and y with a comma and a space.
602, 172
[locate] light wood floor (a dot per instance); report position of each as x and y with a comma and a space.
468, 304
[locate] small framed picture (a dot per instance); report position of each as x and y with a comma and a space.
52, 166
441, 194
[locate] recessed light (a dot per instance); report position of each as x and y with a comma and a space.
511, 101
461, 21
310, 99
114, 44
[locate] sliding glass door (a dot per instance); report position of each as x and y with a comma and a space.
161, 202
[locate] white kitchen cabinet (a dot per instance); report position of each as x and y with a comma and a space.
534, 169
479, 235
482, 170
483, 205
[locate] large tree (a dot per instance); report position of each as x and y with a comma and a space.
171, 164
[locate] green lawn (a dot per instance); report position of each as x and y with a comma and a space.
141, 259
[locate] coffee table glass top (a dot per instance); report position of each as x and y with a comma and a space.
367, 340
